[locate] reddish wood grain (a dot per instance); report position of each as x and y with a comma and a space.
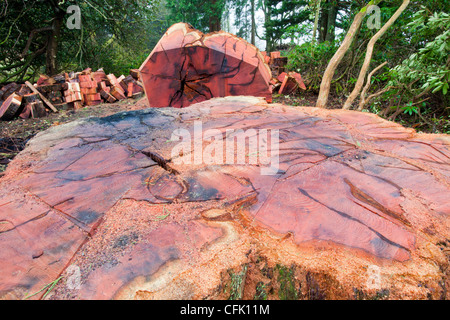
187, 66
351, 189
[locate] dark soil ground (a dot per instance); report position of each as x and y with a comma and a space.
15, 134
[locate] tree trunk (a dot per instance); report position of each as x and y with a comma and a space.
316, 22
323, 22
215, 20
253, 34
331, 23
269, 36
322, 100
214, 24
53, 41
362, 74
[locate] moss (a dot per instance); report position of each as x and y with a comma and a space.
261, 291
286, 280
379, 295
237, 283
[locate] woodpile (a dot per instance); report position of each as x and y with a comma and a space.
283, 81
66, 92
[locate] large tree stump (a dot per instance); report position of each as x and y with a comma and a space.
187, 66
357, 208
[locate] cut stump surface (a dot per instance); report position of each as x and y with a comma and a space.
106, 204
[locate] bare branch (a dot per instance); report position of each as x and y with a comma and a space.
30, 39
363, 101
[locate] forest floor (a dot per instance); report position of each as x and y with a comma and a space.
15, 134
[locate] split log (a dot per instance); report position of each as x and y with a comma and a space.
134, 73
298, 80
274, 55
288, 86
30, 98
118, 93
107, 96
10, 107
130, 89
99, 75
187, 66
48, 103
112, 79
77, 105
38, 110
280, 61
281, 76
26, 112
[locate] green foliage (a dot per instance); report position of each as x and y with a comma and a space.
429, 67
114, 35
195, 12
410, 108
283, 15
286, 279
236, 284
311, 59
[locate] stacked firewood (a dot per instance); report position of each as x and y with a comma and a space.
65, 92
283, 81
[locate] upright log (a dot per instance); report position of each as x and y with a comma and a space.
187, 66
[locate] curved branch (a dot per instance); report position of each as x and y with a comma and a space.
369, 53
322, 100
363, 100
30, 39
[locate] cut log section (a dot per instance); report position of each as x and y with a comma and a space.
187, 66
288, 86
135, 73
37, 110
108, 97
10, 107
48, 103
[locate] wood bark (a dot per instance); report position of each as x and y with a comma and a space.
363, 100
331, 21
316, 22
370, 47
53, 41
253, 31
